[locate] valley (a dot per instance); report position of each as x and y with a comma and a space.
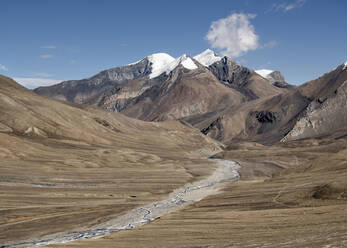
211, 155
173, 124
180, 198
291, 195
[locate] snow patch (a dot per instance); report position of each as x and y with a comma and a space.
344, 65
164, 63
207, 57
264, 73
186, 62
161, 64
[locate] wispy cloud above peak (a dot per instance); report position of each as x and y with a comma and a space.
46, 56
234, 35
48, 47
3, 68
285, 6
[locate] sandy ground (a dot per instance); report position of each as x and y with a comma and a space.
302, 204
67, 167
180, 198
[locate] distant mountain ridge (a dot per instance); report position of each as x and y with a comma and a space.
217, 95
138, 90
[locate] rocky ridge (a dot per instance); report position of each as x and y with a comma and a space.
164, 88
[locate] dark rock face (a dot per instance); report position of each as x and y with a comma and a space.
226, 70
276, 76
242, 79
265, 116
215, 129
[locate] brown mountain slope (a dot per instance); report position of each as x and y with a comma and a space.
269, 119
184, 93
324, 116
179, 93
64, 166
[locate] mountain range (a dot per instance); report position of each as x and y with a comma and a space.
69, 168
215, 94
160, 87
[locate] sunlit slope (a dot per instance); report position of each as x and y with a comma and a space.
66, 166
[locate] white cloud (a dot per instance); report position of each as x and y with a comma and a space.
46, 56
234, 35
36, 82
3, 68
48, 47
288, 6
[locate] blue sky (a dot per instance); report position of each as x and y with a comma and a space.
61, 40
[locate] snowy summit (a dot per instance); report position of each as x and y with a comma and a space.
264, 73
344, 65
207, 57
160, 63
163, 62
186, 61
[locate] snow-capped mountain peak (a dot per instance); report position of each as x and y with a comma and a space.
264, 73
186, 61
344, 65
160, 62
163, 62
274, 77
207, 57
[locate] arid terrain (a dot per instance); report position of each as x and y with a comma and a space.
290, 195
76, 175
71, 173
173, 124
66, 167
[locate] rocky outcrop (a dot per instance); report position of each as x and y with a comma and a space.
242, 79
323, 116
276, 76
215, 129
230, 72
88, 90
